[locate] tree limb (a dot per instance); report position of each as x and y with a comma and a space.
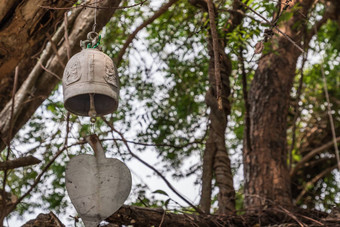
215, 46
311, 154
19, 162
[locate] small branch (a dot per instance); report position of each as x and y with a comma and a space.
9, 138
311, 154
50, 72
289, 39
55, 49
68, 48
274, 27
290, 214
215, 42
311, 219
157, 14
313, 181
160, 224
89, 5
317, 26
151, 167
19, 162
297, 112
331, 121
197, 141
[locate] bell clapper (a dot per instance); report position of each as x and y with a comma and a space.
92, 111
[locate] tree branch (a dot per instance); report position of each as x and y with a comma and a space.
313, 181
19, 162
311, 154
274, 27
141, 216
128, 41
43, 171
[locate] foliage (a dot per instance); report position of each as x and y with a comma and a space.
164, 78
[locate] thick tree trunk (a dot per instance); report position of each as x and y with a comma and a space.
24, 24
266, 173
267, 178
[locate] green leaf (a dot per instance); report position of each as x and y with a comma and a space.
159, 191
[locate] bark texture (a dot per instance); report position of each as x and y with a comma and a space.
24, 24
265, 163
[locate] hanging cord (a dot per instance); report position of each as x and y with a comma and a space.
95, 17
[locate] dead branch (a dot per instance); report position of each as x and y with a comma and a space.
19, 162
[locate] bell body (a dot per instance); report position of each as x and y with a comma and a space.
90, 73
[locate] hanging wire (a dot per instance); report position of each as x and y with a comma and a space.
95, 17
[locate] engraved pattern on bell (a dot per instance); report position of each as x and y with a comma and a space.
110, 73
72, 72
